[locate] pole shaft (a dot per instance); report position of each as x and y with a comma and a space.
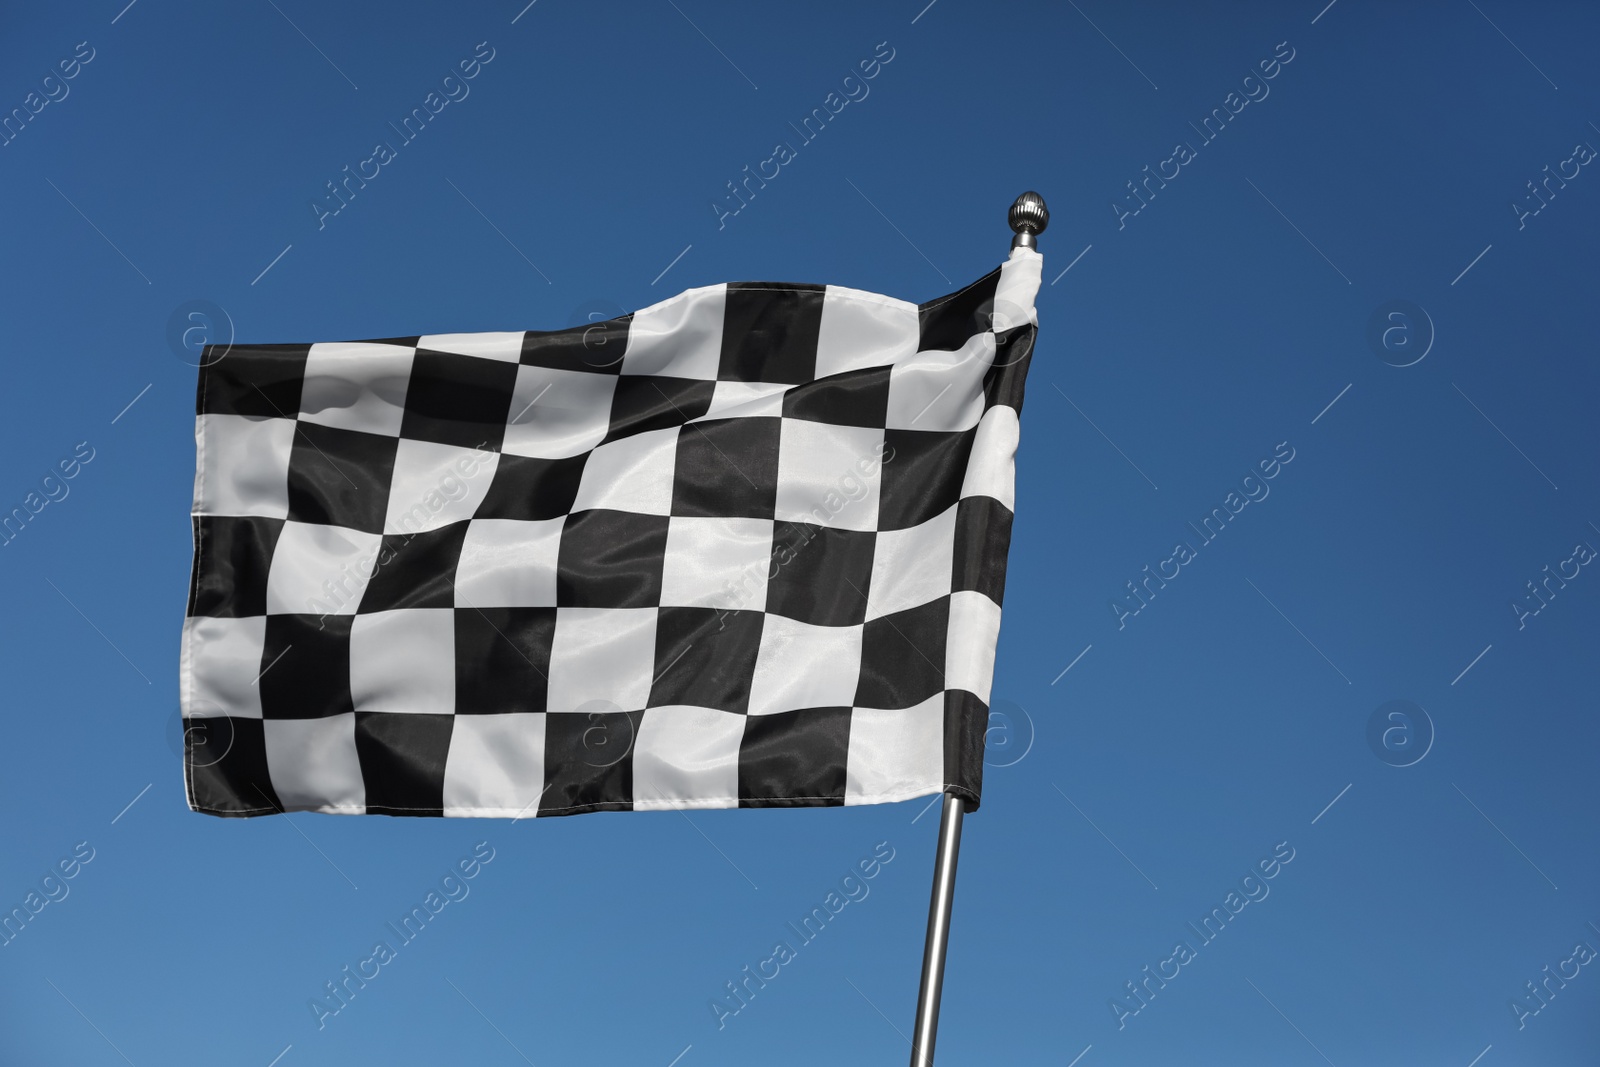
933, 953
1028, 218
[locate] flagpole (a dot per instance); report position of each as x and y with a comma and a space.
944, 892
1028, 217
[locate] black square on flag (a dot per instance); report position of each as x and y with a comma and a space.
727, 468
769, 333
458, 400
340, 477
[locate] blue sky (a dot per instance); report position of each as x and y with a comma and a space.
1156, 759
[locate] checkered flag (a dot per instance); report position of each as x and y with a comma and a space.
743, 548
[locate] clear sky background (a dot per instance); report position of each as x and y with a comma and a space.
1144, 764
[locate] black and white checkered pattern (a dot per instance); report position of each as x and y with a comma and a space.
743, 548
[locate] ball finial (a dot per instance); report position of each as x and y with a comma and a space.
1028, 218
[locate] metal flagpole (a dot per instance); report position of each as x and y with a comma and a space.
1028, 218
944, 892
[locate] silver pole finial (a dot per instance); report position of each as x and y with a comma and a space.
1028, 218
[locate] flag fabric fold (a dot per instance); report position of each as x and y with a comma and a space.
743, 548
